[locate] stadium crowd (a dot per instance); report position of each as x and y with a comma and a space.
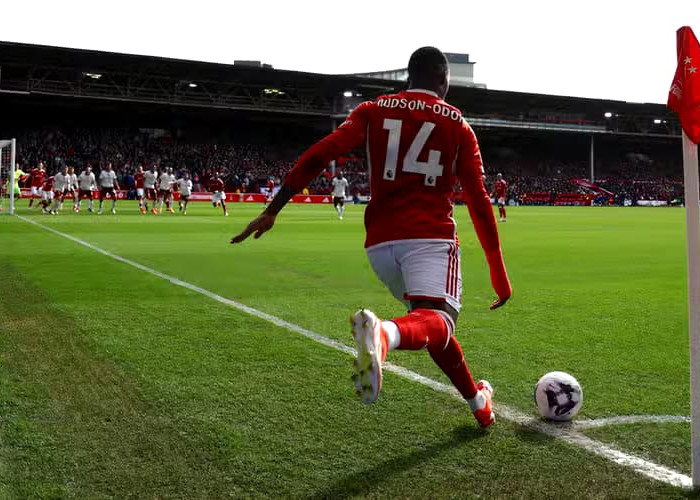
249, 167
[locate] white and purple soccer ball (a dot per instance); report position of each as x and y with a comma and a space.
558, 396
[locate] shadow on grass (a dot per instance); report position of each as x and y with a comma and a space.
364, 481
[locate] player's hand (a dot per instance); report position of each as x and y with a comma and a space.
261, 224
499, 279
498, 303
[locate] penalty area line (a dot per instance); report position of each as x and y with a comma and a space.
563, 433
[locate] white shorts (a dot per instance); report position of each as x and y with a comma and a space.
140, 192
419, 270
501, 201
35, 191
218, 196
47, 195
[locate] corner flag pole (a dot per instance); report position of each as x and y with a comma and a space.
692, 219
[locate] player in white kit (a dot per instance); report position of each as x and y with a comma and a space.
72, 188
149, 184
340, 186
185, 188
108, 184
165, 191
60, 184
86, 185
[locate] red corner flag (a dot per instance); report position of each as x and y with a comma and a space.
684, 96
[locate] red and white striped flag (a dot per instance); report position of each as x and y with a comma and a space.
684, 96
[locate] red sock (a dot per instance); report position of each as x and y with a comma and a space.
385, 345
422, 328
451, 362
503, 212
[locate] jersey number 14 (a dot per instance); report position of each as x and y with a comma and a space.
432, 169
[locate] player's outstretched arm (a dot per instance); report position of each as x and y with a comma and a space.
346, 137
469, 170
264, 222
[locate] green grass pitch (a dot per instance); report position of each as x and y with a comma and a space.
115, 383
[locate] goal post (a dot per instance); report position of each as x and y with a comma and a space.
8, 185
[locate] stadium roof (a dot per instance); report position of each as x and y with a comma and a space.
115, 63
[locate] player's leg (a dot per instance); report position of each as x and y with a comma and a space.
223, 206
432, 278
373, 341
44, 201
57, 197
341, 210
432, 272
114, 201
187, 202
33, 193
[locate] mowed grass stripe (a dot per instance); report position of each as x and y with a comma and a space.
645, 467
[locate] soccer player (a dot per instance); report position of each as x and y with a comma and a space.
185, 188
46, 194
340, 187
19, 176
217, 186
419, 146
499, 191
270, 190
86, 185
108, 184
71, 187
150, 177
138, 183
60, 185
165, 190
37, 176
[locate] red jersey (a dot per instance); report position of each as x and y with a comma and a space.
216, 184
500, 187
37, 177
418, 147
47, 185
270, 185
138, 180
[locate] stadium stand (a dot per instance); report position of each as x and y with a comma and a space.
82, 107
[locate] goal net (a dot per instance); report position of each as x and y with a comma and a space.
7, 169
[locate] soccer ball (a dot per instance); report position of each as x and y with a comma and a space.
558, 396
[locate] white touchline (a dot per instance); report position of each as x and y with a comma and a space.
564, 433
630, 419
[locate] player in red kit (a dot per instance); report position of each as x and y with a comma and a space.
499, 191
37, 176
270, 190
217, 186
418, 147
46, 194
139, 177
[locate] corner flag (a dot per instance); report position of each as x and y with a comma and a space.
684, 99
684, 96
